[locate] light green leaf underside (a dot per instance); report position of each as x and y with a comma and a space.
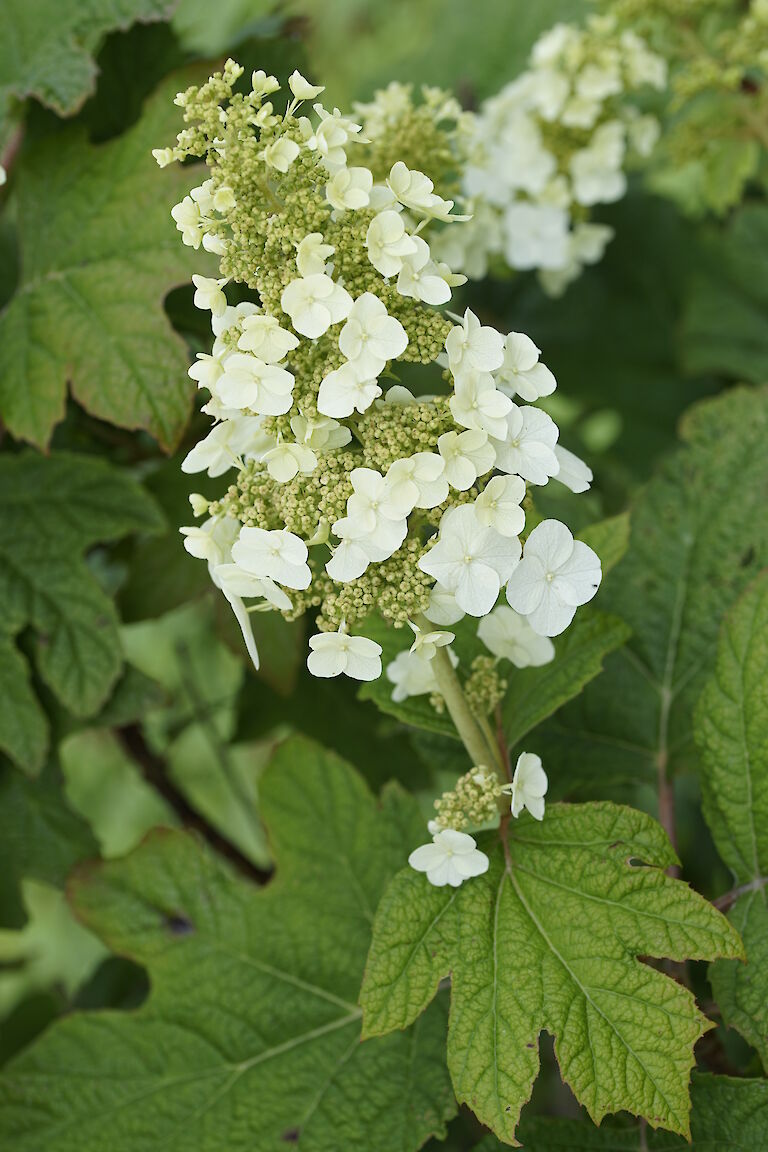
250, 1036
47, 46
549, 941
52, 509
699, 535
727, 1115
99, 253
732, 735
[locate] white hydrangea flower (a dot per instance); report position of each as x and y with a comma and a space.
349, 188
335, 652
265, 338
473, 347
247, 382
312, 254
209, 295
411, 675
596, 171
388, 242
451, 858
376, 498
286, 460
423, 279
426, 644
189, 221
279, 554
555, 576
330, 136
442, 608
467, 455
528, 448
528, 787
371, 336
498, 505
321, 434
262, 84
427, 471
280, 154
206, 370
223, 447
414, 190
477, 403
212, 541
314, 303
470, 561
522, 374
510, 637
235, 581
344, 391
232, 314
535, 235
574, 473
301, 88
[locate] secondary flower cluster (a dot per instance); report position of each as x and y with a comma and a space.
350, 494
453, 855
548, 147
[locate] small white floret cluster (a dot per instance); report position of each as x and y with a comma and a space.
551, 145
453, 856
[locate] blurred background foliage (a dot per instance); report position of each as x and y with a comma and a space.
675, 313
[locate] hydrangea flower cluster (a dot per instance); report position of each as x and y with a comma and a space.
548, 147
351, 495
453, 855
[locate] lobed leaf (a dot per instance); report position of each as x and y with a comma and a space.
727, 1114
47, 46
99, 253
53, 510
250, 1036
549, 939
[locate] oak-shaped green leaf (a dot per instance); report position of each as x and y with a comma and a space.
732, 735
250, 1036
52, 510
99, 253
727, 1115
47, 46
699, 535
549, 939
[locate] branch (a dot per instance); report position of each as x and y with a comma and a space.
153, 770
723, 903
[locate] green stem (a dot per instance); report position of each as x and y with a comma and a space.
472, 736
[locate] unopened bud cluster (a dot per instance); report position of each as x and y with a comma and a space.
472, 803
